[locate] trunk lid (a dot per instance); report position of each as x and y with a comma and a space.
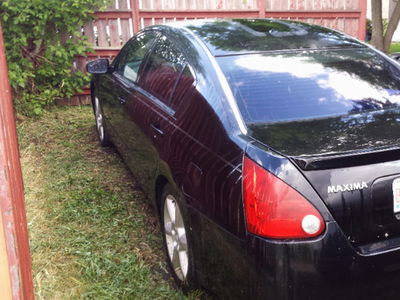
353, 162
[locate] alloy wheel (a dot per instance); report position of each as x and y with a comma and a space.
99, 119
175, 237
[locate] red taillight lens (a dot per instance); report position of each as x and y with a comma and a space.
274, 209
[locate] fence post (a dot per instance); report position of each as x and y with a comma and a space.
261, 7
135, 16
15, 262
362, 21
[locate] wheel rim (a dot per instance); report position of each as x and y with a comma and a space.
99, 119
175, 237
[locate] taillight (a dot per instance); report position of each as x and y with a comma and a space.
274, 209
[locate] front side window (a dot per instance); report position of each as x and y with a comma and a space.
132, 56
163, 70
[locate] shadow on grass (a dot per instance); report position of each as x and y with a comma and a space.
92, 233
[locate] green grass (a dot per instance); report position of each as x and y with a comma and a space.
93, 235
394, 47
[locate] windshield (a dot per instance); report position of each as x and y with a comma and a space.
301, 85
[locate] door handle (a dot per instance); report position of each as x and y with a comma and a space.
121, 100
156, 127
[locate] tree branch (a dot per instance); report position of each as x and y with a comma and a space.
377, 27
392, 26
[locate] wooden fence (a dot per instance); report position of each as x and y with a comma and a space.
114, 26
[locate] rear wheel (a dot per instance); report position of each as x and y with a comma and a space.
100, 125
179, 254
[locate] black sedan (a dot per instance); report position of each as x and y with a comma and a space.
271, 152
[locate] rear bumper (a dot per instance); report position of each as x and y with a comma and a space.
328, 268
324, 268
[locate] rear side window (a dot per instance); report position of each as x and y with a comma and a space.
184, 87
311, 84
132, 56
165, 66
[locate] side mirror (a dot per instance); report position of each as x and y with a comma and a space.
99, 66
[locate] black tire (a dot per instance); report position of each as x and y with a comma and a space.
176, 240
100, 124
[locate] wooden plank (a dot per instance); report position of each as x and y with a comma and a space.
146, 4
12, 202
362, 21
352, 4
261, 8
199, 14
210, 4
199, 4
292, 4
280, 5
317, 4
308, 5
301, 4
314, 14
248, 14
89, 32
102, 32
341, 24
253, 4
190, 4
340, 5
353, 28
112, 6
317, 21
126, 14
114, 32
123, 4
105, 52
160, 5
169, 20
180, 4
80, 63
5, 282
125, 32
147, 22
135, 15
159, 21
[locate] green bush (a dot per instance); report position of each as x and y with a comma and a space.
41, 38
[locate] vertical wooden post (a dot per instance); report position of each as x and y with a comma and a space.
135, 15
12, 206
261, 7
362, 20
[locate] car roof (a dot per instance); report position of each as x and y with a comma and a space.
240, 36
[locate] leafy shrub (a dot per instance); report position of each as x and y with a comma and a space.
41, 38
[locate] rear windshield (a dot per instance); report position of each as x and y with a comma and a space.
311, 84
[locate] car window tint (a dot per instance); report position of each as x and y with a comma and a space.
132, 56
311, 84
162, 70
184, 86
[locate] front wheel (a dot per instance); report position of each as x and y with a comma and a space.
179, 254
100, 125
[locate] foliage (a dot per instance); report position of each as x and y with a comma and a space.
41, 38
369, 28
394, 47
93, 235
